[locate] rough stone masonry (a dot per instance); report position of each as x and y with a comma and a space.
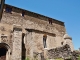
25, 34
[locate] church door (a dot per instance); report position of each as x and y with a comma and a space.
3, 53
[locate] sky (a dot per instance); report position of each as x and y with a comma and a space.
67, 11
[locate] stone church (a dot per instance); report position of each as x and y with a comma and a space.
23, 33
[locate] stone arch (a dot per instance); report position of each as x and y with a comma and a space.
5, 51
4, 45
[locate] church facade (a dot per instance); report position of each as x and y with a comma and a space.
24, 33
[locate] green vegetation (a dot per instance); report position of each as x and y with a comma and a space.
79, 57
59, 59
27, 58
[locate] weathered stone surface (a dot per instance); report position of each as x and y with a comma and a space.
61, 52
25, 35
33, 23
17, 44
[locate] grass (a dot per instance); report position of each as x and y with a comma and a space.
79, 57
27, 58
59, 59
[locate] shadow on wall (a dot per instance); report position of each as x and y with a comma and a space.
23, 48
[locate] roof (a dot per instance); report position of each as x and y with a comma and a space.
36, 14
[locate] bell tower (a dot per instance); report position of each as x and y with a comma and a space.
2, 2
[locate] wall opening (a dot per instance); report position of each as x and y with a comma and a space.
61, 43
50, 21
3, 52
44, 40
8, 9
23, 13
23, 47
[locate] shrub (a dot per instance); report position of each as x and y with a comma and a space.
27, 58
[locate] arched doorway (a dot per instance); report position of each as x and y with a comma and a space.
4, 50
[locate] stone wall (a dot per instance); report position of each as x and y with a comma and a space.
34, 26
6, 34
29, 45
61, 52
33, 22
6, 38
30, 22
17, 44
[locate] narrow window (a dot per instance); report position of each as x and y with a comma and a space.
23, 13
8, 9
61, 43
23, 47
44, 41
50, 21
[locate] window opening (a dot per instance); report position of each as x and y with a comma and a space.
23, 14
8, 9
50, 21
61, 43
3, 52
44, 41
23, 47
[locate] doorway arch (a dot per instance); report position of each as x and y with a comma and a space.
4, 51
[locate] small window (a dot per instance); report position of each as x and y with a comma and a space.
61, 43
8, 9
23, 14
50, 21
44, 41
